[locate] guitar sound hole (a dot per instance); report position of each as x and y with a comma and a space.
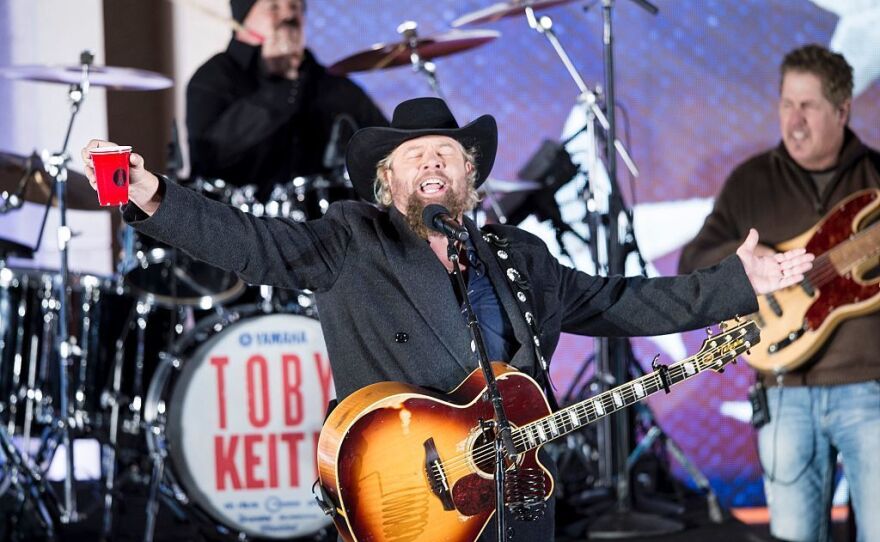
484, 453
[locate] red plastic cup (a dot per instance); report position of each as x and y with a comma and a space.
111, 172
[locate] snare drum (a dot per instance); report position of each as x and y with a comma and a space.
239, 410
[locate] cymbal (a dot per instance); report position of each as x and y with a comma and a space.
501, 10
389, 55
14, 169
99, 76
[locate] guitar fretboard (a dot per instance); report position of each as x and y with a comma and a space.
715, 354
856, 249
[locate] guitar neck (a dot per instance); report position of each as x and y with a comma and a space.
566, 420
855, 249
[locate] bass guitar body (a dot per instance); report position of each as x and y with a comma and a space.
796, 321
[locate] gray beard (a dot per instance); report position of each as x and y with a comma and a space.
452, 200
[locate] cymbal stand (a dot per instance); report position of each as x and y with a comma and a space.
56, 167
407, 29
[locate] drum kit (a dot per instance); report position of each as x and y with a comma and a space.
170, 361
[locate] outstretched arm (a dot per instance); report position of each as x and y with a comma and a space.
769, 271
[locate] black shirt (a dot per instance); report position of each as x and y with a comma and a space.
248, 127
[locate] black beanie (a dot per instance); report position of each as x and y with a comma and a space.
240, 8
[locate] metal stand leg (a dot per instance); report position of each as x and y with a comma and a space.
28, 484
133, 424
111, 398
500, 523
152, 508
15, 392
655, 433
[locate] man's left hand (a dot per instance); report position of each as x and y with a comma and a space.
768, 273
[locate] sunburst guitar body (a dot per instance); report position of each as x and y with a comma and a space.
796, 321
400, 463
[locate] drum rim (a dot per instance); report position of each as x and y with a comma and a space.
181, 367
159, 255
77, 279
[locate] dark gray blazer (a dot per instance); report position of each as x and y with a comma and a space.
374, 278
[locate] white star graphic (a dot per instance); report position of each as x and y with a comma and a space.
856, 38
659, 227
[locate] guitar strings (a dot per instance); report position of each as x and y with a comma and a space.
824, 269
486, 451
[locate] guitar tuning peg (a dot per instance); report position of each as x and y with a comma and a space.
709, 331
723, 326
738, 319
748, 352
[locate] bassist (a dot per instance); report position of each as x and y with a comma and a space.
831, 403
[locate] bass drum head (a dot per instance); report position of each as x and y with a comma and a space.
243, 423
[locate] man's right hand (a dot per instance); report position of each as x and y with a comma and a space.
143, 188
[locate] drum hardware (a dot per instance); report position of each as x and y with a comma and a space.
110, 399
91, 297
168, 278
132, 423
56, 167
407, 30
414, 51
48, 401
25, 179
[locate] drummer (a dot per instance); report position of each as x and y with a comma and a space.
264, 110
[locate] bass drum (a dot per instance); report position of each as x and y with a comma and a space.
238, 411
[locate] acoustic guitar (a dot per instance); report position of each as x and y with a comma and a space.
796, 321
400, 463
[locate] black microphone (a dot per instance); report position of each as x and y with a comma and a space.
333, 153
437, 218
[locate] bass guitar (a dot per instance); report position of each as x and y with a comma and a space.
796, 321
399, 463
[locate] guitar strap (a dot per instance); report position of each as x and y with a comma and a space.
521, 290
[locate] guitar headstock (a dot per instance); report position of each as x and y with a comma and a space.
719, 350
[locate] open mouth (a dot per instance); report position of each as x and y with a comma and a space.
798, 135
432, 185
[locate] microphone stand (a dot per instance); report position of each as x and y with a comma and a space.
621, 520
505, 449
544, 26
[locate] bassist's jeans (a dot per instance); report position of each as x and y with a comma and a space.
798, 448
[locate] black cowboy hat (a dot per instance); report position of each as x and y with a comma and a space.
416, 118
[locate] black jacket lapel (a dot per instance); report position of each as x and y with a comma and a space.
427, 286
